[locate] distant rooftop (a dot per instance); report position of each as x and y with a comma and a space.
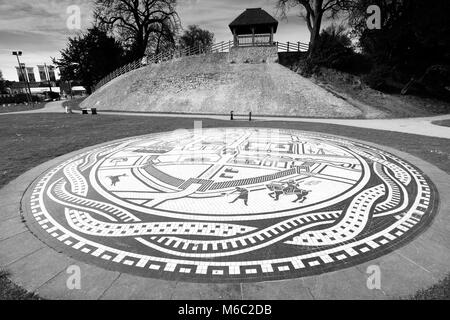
254, 17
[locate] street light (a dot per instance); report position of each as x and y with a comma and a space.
73, 64
47, 75
29, 96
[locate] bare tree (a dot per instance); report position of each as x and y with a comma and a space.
163, 39
313, 11
137, 22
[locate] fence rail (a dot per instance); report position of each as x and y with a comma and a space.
256, 40
292, 47
224, 46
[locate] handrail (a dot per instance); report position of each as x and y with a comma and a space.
224, 46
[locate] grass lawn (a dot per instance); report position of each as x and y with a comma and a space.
439, 291
10, 291
27, 140
20, 107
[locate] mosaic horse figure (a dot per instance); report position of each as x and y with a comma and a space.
289, 188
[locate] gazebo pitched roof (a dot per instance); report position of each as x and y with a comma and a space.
254, 17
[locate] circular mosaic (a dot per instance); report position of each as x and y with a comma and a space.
232, 204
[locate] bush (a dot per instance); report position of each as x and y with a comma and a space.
378, 78
18, 98
53, 95
333, 50
437, 79
351, 62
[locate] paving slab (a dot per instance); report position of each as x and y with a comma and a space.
93, 283
11, 227
17, 247
348, 284
437, 261
206, 291
128, 287
36, 269
294, 289
400, 277
8, 211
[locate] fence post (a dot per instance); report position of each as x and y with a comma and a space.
288, 46
298, 47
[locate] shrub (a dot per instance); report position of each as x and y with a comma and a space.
334, 51
351, 62
378, 78
18, 98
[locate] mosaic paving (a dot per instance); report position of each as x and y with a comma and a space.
232, 204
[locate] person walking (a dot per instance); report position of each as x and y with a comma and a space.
243, 194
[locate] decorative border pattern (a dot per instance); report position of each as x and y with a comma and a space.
408, 223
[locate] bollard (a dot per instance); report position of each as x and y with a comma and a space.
232, 116
250, 116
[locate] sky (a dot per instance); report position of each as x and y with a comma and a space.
39, 29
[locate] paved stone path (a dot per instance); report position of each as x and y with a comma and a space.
421, 126
90, 209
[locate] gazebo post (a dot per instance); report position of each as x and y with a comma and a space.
253, 36
271, 36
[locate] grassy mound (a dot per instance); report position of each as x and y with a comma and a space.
210, 84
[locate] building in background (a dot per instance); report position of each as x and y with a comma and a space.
51, 73
25, 73
46, 82
46, 73
30, 74
42, 73
21, 72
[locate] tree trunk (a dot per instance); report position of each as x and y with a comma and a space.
158, 44
315, 33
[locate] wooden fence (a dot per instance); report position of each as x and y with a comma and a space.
292, 47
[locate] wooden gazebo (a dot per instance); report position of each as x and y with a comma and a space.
253, 28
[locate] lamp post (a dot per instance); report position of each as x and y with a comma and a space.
47, 75
73, 64
29, 96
